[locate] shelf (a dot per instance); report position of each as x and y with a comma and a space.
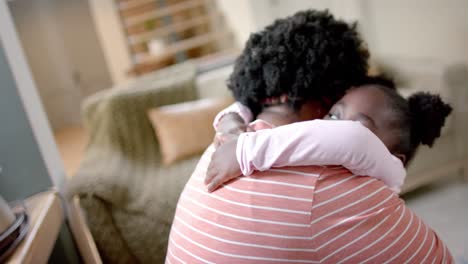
161, 12
184, 45
83, 238
144, 37
133, 4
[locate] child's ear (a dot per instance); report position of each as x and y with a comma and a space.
402, 157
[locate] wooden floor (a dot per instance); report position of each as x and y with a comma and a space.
71, 142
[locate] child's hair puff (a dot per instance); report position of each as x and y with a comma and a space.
428, 117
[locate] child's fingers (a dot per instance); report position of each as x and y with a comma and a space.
220, 139
211, 187
210, 173
209, 177
215, 183
216, 142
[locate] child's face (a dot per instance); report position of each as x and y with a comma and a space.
368, 106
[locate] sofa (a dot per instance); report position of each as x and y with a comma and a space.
449, 154
129, 197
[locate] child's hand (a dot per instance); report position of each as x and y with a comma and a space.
223, 166
221, 138
229, 128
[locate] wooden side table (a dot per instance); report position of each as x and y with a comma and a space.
46, 216
83, 238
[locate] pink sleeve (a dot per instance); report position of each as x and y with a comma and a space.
321, 142
238, 108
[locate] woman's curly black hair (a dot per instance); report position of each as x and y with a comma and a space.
309, 55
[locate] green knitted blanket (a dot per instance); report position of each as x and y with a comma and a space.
128, 196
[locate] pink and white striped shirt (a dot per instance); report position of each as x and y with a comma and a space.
315, 214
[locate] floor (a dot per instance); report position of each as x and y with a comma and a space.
71, 142
443, 206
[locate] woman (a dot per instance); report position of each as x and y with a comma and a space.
266, 218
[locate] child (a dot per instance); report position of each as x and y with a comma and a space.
390, 125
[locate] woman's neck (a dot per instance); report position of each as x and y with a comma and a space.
283, 114
279, 115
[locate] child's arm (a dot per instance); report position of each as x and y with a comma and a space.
230, 122
237, 109
321, 142
317, 142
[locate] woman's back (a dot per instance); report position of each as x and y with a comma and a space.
298, 215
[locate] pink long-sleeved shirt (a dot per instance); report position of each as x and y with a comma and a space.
317, 142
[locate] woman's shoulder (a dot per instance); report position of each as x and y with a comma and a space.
344, 187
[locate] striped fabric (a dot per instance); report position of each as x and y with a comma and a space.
298, 215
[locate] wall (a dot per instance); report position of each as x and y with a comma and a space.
64, 54
280, 9
81, 43
421, 28
246, 16
24, 172
111, 38
23, 169
28, 154
239, 18
416, 28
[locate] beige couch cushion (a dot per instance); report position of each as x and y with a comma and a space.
185, 129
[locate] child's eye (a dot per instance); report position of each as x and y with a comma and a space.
332, 116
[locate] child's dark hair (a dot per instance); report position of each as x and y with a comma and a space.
419, 119
309, 55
